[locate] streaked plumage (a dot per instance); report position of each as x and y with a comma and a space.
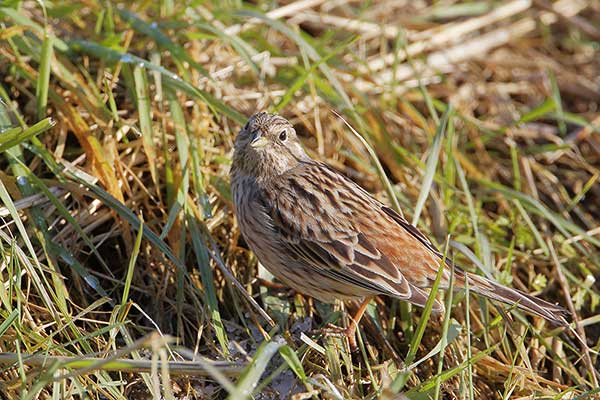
323, 235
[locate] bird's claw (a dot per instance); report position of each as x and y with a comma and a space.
336, 331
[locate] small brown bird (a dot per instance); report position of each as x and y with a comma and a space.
325, 236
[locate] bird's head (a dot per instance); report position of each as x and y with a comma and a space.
267, 146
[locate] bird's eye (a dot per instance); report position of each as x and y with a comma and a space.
283, 135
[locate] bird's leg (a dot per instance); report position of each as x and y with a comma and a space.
350, 331
276, 286
271, 284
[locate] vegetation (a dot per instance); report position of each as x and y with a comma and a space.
123, 274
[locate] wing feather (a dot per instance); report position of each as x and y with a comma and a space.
340, 231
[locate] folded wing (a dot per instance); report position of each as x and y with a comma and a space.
341, 232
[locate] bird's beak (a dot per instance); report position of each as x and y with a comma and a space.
258, 140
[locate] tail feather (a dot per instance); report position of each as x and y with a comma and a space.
554, 314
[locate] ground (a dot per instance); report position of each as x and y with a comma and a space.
117, 117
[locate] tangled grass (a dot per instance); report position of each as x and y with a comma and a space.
123, 272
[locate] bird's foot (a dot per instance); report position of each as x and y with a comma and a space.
349, 333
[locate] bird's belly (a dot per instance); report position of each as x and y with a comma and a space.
306, 281
296, 274
257, 229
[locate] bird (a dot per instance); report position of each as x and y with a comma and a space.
323, 235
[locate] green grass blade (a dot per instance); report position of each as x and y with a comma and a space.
151, 30
8, 320
301, 79
469, 345
251, 375
292, 360
538, 112
564, 226
62, 210
210, 295
312, 53
14, 136
171, 78
446, 338
38, 281
473, 214
143, 104
449, 373
558, 103
128, 215
431, 165
41, 88
130, 268
240, 46
402, 378
21, 19
380, 170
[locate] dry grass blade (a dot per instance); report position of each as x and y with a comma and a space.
83, 365
594, 374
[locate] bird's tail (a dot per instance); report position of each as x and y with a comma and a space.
554, 314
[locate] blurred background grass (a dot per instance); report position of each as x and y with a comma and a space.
123, 272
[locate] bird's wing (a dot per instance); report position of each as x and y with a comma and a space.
339, 230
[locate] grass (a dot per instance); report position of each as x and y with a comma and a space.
123, 274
